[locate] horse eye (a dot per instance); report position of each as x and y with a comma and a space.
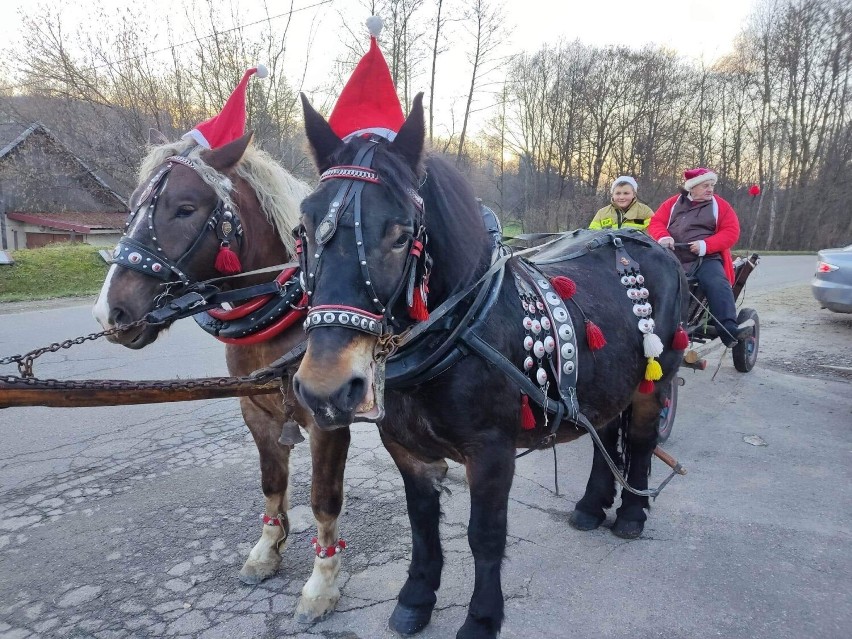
402, 240
185, 211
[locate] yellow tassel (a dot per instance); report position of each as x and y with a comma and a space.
653, 371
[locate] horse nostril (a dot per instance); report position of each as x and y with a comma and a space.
117, 315
297, 389
347, 398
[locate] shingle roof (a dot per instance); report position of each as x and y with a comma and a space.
7, 131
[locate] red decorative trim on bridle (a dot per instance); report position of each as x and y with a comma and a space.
349, 172
324, 552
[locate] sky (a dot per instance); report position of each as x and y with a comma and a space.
696, 29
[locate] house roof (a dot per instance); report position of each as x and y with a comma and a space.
79, 222
13, 134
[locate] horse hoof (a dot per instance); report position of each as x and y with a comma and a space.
473, 629
409, 621
584, 521
252, 572
314, 610
627, 528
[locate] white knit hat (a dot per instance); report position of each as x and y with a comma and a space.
624, 179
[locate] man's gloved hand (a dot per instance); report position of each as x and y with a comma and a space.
666, 242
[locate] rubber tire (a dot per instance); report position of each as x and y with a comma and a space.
666, 423
745, 351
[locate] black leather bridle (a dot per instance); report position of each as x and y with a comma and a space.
151, 259
353, 178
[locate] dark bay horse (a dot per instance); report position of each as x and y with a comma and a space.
175, 213
379, 209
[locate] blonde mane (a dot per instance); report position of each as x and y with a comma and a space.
278, 192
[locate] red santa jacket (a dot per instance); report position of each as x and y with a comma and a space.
726, 235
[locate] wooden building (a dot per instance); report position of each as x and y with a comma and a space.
48, 194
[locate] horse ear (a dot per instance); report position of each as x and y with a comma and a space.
322, 139
411, 137
156, 137
226, 157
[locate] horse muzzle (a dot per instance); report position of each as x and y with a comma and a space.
135, 338
337, 394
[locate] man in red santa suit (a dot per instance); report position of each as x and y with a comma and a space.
701, 228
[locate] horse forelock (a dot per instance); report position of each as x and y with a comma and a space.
278, 192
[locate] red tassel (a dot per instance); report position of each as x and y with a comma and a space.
227, 261
564, 286
418, 311
646, 387
527, 417
680, 341
594, 336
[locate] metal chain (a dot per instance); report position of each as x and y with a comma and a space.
388, 344
123, 384
25, 361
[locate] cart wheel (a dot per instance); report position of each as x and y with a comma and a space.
745, 351
667, 413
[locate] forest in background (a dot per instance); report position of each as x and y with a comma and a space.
561, 122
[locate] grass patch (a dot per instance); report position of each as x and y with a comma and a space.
58, 270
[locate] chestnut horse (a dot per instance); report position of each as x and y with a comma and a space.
380, 209
184, 195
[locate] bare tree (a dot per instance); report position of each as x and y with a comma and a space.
485, 23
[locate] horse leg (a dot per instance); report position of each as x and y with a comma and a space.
489, 474
641, 441
600, 490
422, 480
265, 426
320, 593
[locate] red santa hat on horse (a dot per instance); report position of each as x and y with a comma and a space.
214, 133
230, 123
368, 103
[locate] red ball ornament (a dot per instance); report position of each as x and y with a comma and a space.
754, 190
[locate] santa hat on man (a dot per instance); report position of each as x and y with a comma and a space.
368, 103
694, 177
230, 124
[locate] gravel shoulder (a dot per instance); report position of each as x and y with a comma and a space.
798, 337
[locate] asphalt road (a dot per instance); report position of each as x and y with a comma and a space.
133, 521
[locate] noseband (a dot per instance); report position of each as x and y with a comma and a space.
348, 195
151, 259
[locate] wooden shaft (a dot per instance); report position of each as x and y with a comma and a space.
12, 395
669, 461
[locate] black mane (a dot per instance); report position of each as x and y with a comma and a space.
458, 241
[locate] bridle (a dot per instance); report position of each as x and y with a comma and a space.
151, 259
353, 177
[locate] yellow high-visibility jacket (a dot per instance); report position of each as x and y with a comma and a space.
636, 216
